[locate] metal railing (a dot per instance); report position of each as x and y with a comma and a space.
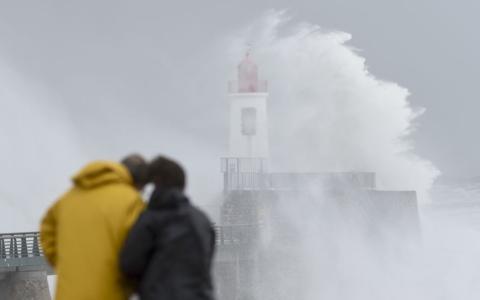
252, 174
244, 165
27, 244
339, 180
260, 86
242, 173
20, 245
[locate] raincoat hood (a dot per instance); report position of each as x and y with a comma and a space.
101, 172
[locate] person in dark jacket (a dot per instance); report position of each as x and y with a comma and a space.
168, 252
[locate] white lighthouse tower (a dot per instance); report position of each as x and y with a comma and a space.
248, 113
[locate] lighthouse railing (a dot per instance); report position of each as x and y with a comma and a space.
20, 245
261, 86
244, 173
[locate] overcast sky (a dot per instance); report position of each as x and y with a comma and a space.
135, 58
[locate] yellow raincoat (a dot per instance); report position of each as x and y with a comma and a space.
83, 232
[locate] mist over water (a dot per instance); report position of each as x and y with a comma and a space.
38, 149
328, 256
47, 137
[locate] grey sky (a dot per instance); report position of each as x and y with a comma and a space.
133, 59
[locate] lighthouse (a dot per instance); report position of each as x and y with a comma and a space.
248, 135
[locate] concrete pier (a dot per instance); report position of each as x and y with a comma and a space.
24, 286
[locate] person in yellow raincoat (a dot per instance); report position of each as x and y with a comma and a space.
83, 232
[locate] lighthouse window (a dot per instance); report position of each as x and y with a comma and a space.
249, 121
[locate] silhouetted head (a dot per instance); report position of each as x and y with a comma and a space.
138, 168
166, 173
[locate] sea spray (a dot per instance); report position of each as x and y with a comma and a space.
328, 114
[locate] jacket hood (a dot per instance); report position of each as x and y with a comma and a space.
162, 198
101, 172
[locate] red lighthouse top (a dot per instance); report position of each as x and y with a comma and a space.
248, 81
247, 75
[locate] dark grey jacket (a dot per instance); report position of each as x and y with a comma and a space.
169, 251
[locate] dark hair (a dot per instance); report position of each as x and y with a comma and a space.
167, 173
138, 168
